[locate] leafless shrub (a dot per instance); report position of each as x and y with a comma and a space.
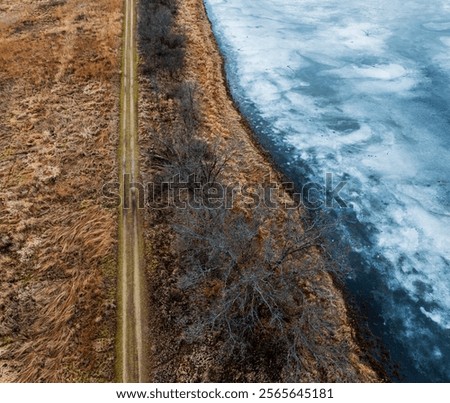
246, 284
180, 156
161, 48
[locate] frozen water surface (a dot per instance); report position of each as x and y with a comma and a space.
361, 89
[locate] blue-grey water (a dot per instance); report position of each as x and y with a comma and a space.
361, 89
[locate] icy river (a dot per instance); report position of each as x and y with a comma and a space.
361, 90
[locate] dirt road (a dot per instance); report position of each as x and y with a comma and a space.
132, 316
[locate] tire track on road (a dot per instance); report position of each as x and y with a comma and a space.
132, 340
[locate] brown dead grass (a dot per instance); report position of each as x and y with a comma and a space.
59, 84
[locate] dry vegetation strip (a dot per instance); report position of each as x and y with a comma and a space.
236, 294
59, 85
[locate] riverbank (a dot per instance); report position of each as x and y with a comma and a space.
317, 341
295, 175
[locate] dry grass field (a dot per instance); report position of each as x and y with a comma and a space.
59, 86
